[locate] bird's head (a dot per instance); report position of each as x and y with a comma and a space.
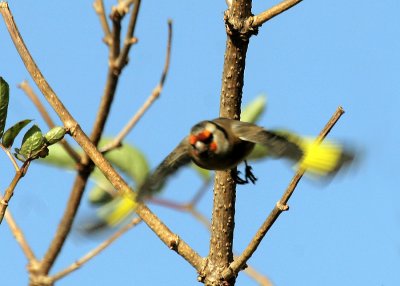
207, 139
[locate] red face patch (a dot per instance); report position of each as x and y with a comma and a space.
213, 146
202, 136
192, 139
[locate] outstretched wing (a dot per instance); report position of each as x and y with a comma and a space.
176, 159
278, 145
320, 159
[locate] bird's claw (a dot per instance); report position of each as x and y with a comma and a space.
248, 175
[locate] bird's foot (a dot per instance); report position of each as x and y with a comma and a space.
248, 175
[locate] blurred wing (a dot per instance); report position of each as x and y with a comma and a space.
321, 159
278, 145
176, 159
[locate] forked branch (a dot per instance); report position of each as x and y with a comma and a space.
155, 224
281, 206
150, 100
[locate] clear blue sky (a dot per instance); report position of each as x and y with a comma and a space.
309, 60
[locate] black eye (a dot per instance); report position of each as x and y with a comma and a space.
208, 139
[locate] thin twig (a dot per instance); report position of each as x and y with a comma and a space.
36, 101
116, 19
124, 6
256, 276
46, 116
98, 6
201, 192
191, 208
281, 206
155, 224
117, 61
77, 264
11, 157
86, 165
129, 38
263, 17
19, 237
150, 100
10, 189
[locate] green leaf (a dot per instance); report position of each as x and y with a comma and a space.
129, 160
54, 135
32, 143
59, 157
18, 156
252, 111
13, 131
4, 98
99, 196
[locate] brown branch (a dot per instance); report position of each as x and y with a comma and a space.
155, 224
129, 38
263, 17
10, 189
190, 207
86, 165
117, 61
11, 157
46, 116
77, 264
150, 100
223, 215
281, 206
256, 276
64, 227
20, 238
116, 19
98, 6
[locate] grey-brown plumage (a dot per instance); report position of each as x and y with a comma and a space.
222, 144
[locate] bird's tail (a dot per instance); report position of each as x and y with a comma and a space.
320, 159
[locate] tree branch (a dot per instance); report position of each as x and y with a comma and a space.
86, 165
10, 189
20, 238
77, 264
129, 38
263, 17
223, 216
150, 100
155, 224
281, 206
50, 123
98, 6
11, 157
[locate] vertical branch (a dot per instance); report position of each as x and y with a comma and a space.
98, 6
280, 207
117, 61
220, 253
